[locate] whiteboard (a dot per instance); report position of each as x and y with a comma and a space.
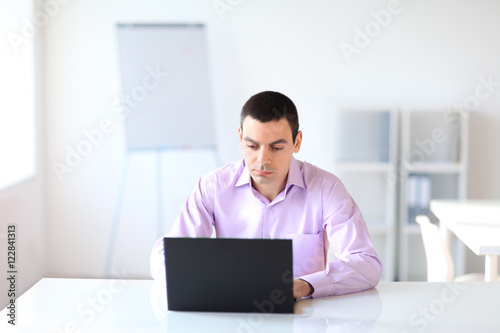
166, 101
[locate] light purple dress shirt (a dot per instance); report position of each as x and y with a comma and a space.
314, 210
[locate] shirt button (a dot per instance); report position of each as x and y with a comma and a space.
268, 237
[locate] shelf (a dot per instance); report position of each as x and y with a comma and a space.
432, 136
377, 222
412, 229
379, 229
365, 146
434, 168
364, 135
373, 193
363, 167
433, 165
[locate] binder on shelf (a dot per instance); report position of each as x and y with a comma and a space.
419, 195
384, 136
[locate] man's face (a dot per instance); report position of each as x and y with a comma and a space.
268, 149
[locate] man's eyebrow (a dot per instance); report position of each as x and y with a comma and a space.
278, 142
246, 138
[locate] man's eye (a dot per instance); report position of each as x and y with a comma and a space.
252, 146
277, 148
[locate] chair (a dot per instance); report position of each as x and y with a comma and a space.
440, 267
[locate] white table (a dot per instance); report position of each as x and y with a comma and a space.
87, 305
477, 224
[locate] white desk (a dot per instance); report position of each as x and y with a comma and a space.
85, 305
477, 224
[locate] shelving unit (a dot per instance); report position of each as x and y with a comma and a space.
433, 164
365, 159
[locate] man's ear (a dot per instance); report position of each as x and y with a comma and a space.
298, 142
240, 134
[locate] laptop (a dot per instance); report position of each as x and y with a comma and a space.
229, 275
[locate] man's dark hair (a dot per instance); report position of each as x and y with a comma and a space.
269, 106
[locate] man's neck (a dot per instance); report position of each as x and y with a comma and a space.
269, 192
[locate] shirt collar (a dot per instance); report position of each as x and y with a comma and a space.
294, 175
244, 177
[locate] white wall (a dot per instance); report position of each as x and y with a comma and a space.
431, 53
22, 204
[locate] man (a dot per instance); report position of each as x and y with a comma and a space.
270, 194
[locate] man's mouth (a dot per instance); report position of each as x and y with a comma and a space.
262, 173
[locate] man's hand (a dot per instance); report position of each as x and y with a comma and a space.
301, 288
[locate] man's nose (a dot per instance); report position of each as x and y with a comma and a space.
264, 156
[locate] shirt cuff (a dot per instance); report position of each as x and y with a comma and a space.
321, 283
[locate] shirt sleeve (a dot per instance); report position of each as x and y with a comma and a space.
196, 219
357, 266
